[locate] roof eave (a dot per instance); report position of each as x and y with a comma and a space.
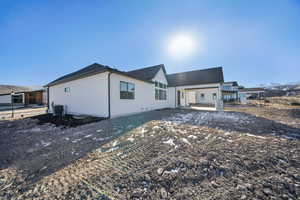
91, 74
195, 84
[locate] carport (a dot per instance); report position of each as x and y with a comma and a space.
200, 98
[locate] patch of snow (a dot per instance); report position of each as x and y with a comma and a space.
227, 133
87, 136
115, 143
118, 132
186, 141
170, 142
101, 139
192, 136
172, 171
257, 136
78, 133
98, 131
120, 153
67, 138
143, 132
207, 137
76, 140
45, 144
179, 118
36, 129
112, 149
130, 139
287, 137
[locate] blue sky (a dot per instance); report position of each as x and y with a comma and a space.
255, 41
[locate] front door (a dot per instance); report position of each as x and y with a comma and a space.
178, 98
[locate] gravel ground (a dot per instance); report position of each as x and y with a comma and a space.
244, 153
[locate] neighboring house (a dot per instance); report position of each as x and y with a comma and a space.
21, 95
230, 91
252, 93
106, 92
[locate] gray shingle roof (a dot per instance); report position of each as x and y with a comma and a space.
89, 71
234, 83
147, 73
84, 72
205, 76
196, 77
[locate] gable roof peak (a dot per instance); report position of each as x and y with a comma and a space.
147, 73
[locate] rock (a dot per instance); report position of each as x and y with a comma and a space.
160, 171
267, 191
243, 196
147, 177
163, 193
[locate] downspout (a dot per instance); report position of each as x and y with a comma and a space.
108, 79
48, 103
175, 97
220, 104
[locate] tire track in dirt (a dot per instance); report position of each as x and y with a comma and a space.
107, 163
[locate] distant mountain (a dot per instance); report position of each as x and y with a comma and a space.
5, 89
278, 86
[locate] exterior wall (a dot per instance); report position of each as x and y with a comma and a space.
5, 99
144, 99
171, 97
86, 96
45, 97
195, 96
35, 97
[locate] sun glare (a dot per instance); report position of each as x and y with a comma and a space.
181, 46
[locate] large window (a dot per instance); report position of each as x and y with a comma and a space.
160, 91
17, 98
126, 90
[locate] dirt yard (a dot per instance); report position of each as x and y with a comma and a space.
242, 153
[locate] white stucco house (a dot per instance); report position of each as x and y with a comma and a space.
106, 92
230, 91
252, 93
22, 95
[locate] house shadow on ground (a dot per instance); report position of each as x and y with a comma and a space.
40, 149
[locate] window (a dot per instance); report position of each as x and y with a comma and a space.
202, 95
161, 85
156, 94
227, 87
214, 95
17, 98
67, 89
160, 91
127, 90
